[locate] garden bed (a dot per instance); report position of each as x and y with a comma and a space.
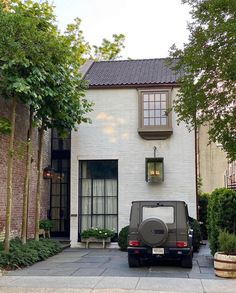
23, 255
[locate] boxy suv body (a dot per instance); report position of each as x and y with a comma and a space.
159, 229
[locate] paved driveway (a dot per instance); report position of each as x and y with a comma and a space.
113, 262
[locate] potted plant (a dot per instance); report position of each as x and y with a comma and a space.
225, 259
97, 235
44, 227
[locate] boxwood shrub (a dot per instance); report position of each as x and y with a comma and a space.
221, 215
123, 238
22, 255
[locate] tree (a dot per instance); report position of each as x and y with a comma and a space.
109, 50
208, 86
36, 68
82, 50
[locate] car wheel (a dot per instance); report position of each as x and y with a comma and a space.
133, 261
187, 261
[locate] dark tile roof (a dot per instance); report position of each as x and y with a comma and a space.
130, 72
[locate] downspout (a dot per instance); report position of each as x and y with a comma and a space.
197, 168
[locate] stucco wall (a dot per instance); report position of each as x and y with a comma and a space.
212, 162
113, 135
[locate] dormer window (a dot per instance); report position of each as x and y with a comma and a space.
154, 120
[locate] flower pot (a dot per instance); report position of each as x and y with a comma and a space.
225, 265
95, 240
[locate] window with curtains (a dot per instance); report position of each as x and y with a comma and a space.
98, 196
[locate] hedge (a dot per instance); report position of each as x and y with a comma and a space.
123, 238
221, 215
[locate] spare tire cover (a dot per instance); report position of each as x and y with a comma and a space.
153, 232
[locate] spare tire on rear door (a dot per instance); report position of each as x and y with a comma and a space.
153, 232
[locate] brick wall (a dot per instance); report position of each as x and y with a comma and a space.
19, 171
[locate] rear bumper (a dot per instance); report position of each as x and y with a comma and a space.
169, 253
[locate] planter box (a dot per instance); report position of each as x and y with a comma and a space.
225, 265
95, 240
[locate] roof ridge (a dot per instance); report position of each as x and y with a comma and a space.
131, 60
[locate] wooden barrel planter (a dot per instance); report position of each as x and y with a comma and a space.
225, 265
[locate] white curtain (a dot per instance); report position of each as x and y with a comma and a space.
104, 202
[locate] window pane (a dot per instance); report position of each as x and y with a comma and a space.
163, 97
157, 113
166, 214
86, 187
163, 105
55, 213
146, 113
146, 121
151, 121
111, 222
151, 105
86, 205
151, 113
151, 97
111, 205
55, 189
111, 187
98, 221
158, 121
163, 121
98, 187
145, 106
157, 105
145, 98
85, 222
98, 205
157, 97
55, 202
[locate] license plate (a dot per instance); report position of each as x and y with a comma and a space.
158, 250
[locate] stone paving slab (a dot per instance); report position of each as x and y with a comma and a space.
168, 284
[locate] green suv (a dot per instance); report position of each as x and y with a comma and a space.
159, 230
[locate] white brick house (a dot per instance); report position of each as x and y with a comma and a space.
108, 157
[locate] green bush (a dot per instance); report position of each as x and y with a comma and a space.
227, 243
203, 203
21, 255
197, 237
123, 238
221, 215
46, 224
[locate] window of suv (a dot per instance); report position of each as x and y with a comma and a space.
164, 213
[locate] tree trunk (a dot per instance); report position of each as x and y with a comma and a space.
39, 182
9, 177
27, 179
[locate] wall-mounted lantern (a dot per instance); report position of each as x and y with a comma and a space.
48, 172
154, 169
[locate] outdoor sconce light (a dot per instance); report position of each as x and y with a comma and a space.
48, 172
154, 169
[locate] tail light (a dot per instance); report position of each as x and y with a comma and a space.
181, 244
134, 243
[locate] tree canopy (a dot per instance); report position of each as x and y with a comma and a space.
208, 86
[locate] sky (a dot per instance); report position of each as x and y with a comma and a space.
151, 27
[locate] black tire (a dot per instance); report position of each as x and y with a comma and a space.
133, 261
187, 261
